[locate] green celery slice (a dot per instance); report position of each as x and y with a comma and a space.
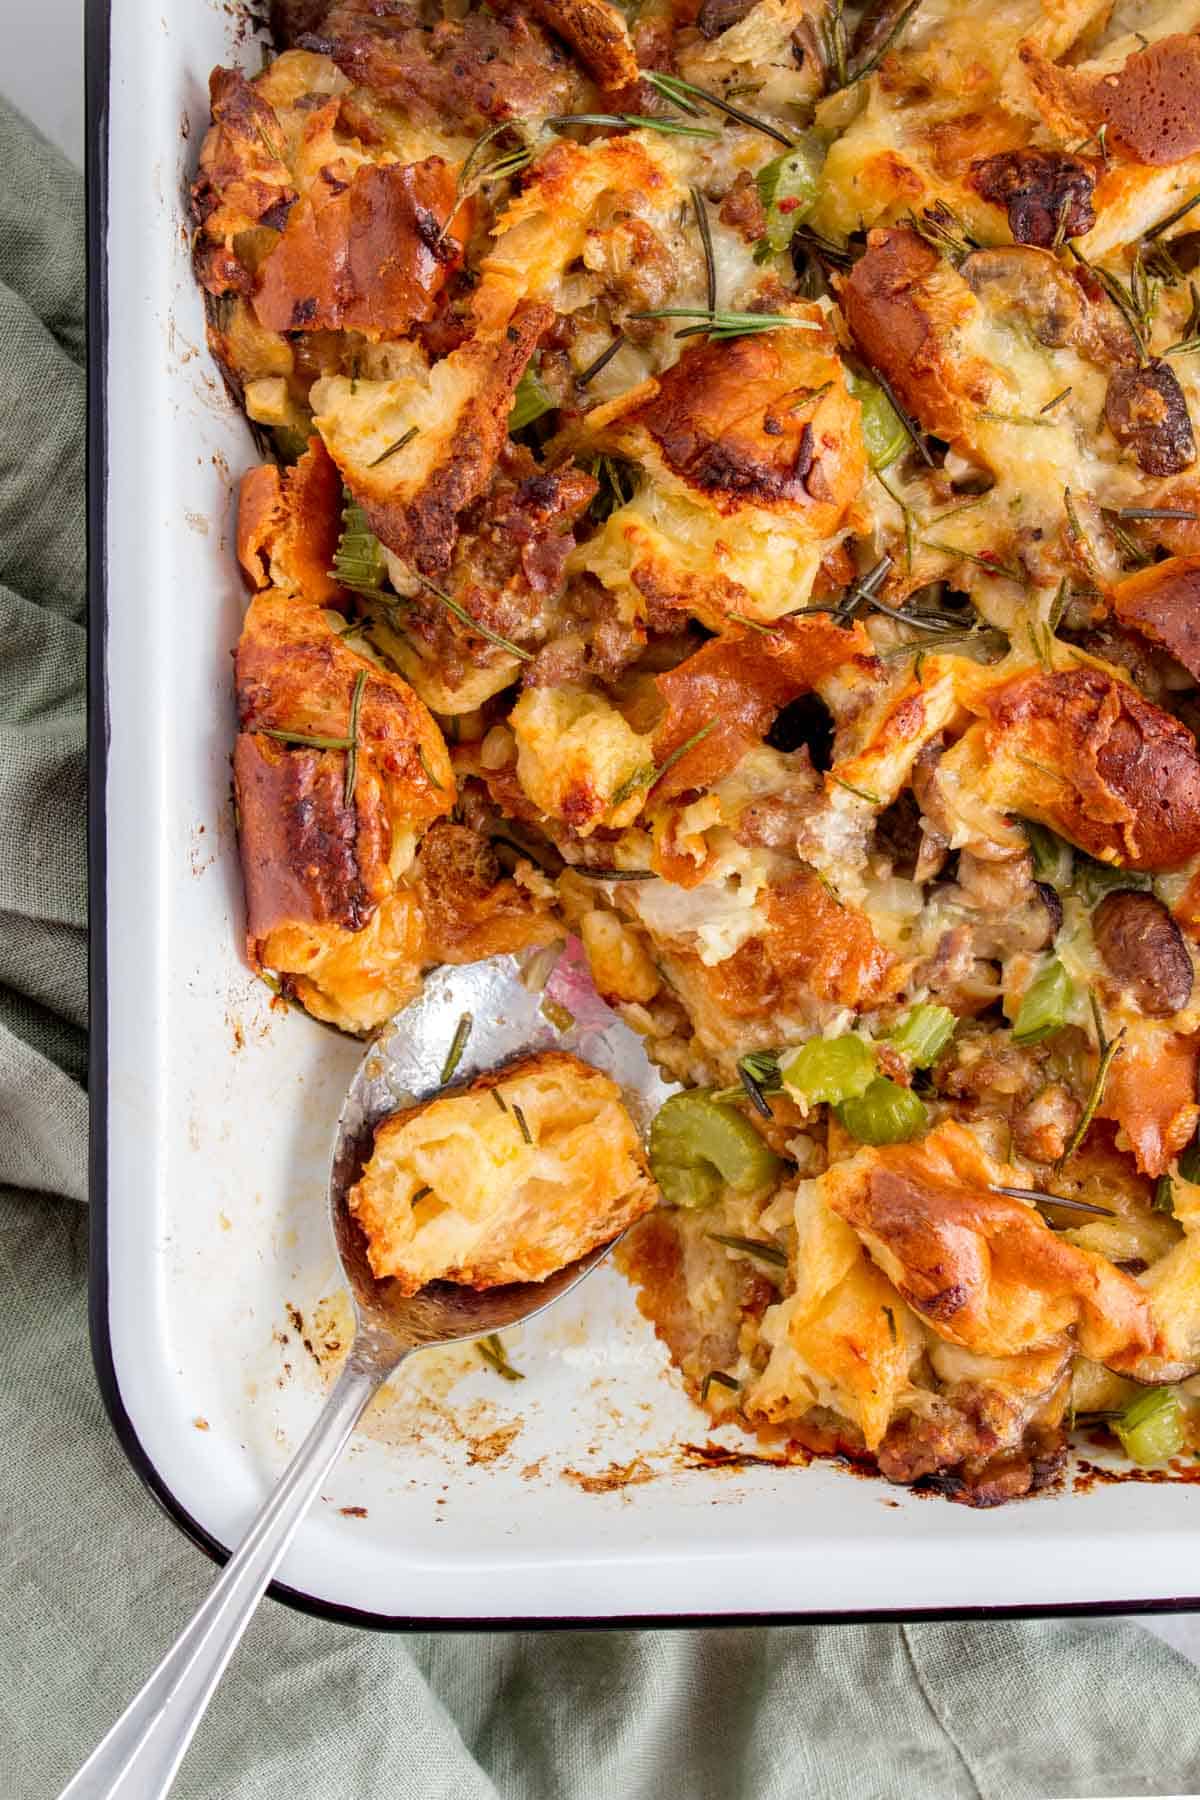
699, 1145
886, 1114
829, 1069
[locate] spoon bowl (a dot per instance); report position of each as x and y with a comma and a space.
508, 1016
467, 1021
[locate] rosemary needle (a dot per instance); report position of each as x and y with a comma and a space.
473, 624
394, 449
705, 229
360, 683
458, 1044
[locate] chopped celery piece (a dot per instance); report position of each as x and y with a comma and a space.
922, 1034
829, 1069
1053, 857
882, 428
1151, 1427
530, 401
699, 1145
1044, 1004
886, 1114
787, 188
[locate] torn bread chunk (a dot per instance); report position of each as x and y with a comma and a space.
511, 1179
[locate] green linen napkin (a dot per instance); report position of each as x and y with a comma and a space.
94, 1581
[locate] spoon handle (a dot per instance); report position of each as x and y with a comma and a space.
139, 1757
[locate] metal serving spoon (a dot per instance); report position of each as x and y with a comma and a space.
139, 1757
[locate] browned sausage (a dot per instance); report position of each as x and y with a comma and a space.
1046, 193
1146, 410
1143, 950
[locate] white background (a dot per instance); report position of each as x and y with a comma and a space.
42, 73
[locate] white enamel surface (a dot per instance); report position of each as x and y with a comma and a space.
221, 1112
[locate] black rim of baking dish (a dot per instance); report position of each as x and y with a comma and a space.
97, 46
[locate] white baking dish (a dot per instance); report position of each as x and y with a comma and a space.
466, 1498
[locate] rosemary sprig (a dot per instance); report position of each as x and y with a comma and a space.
422, 1193
492, 1351
834, 42
360, 682
394, 449
862, 793
473, 624
302, 738
768, 1253
1043, 1199
1136, 303
498, 1097
717, 1378
763, 1067
1110, 1049
859, 593
682, 93
519, 1116
458, 1044
650, 776
430, 777
618, 482
474, 174
1155, 512
1125, 544
705, 229
1059, 606
1164, 1195
593, 874
1001, 418
754, 1091
1051, 404
980, 562
1172, 218
906, 513
915, 436
942, 229
723, 325
602, 361
634, 122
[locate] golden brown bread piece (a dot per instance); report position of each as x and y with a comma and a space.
730, 421
1151, 1094
242, 183
598, 35
735, 685
902, 304
463, 1189
288, 523
1086, 754
412, 501
364, 252
470, 910
816, 954
322, 867
1163, 603
983, 1270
